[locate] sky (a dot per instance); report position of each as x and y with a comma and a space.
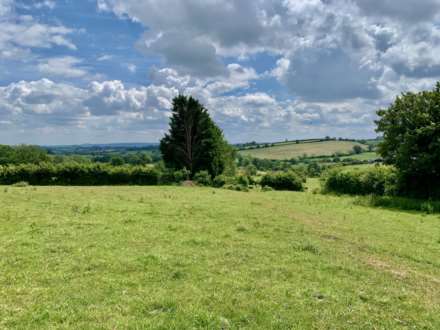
103, 71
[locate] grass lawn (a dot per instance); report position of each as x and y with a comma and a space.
292, 150
183, 258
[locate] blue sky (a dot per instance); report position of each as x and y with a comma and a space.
100, 71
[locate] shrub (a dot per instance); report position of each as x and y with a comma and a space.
236, 187
283, 181
169, 176
377, 180
203, 178
220, 180
78, 174
242, 180
21, 184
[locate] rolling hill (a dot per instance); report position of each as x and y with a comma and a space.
294, 150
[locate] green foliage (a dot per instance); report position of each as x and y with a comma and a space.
170, 176
220, 180
22, 154
203, 178
411, 141
243, 180
117, 161
78, 174
378, 180
357, 149
399, 203
283, 181
21, 184
314, 170
194, 141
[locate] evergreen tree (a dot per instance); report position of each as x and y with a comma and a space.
194, 141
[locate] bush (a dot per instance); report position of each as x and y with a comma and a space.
283, 181
377, 180
220, 180
21, 184
203, 178
169, 176
78, 174
242, 180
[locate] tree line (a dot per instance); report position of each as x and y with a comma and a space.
195, 149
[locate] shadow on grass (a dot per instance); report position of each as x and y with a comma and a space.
399, 203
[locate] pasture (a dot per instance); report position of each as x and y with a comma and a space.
185, 257
295, 150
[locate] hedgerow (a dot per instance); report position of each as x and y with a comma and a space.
376, 180
283, 181
78, 174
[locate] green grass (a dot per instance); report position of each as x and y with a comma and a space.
362, 156
185, 258
293, 150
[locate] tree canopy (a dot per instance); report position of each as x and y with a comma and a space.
411, 141
22, 154
194, 141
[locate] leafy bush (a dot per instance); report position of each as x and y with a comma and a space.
203, 178
236, 187
220, 180
78, 174
169, 176
283, 181
377, 180
243, 180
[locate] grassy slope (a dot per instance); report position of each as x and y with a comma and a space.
363, 156
164, 257
288, 151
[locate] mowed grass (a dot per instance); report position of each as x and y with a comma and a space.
199, 258
293, 150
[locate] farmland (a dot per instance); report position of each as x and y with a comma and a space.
179, 258
294, 150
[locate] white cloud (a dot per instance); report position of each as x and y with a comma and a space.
131, 67
66, 66
336, 62
20, 34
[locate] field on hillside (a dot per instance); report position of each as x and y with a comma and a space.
362, 156
293, 150
181, 258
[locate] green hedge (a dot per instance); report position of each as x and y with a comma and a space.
283, 181
377, 180
78, 174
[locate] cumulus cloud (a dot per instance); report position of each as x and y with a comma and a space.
329, 74
20, 34
407, 10
331, 64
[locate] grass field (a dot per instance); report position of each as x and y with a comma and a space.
185, 258
293, 150
363, 156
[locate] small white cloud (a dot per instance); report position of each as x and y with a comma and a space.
66, 66
132, 68
105, 57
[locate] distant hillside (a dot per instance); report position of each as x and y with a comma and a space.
88, 149
288, 150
